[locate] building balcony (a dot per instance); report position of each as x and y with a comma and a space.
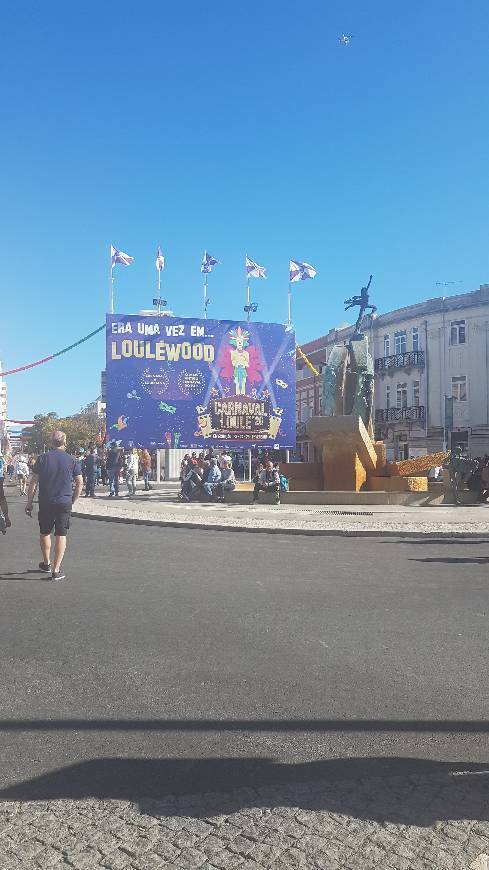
410, 359
399, 415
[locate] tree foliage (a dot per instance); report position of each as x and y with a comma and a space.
81, 430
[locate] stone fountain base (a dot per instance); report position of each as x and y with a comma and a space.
348, 453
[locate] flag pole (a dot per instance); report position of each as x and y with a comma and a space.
111, 284
205, 295
159, 291
290, 305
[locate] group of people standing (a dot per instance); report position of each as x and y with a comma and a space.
116, 464
16, 469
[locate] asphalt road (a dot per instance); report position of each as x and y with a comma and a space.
178, 661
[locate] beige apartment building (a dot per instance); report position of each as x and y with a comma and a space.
431, 376
3, 397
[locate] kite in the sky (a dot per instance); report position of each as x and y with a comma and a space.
344, 39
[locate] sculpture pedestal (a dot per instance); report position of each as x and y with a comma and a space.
348, 453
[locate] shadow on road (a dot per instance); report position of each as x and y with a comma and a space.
22, 575
430, 726
397, 790
432, 539
455, 560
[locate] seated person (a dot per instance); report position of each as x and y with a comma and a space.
213, 478
191, 483
227, 481
259, 470
267, 480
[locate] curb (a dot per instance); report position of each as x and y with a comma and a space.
342, 533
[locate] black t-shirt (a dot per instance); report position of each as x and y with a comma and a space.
56, 470
91, 463
114, 460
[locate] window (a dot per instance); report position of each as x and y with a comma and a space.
387, 345
400, 341
402, 395
387, 397
415, 338
415, 394
459, 388
457, 332
300, 373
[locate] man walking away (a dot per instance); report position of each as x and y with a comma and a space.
22, 473
4, 518
146, 464
267, 481
113, 469
54, 473
91, 471
132, 471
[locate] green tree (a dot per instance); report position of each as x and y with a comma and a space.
81, 430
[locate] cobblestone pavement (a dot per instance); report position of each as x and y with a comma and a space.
396, 823
373, 519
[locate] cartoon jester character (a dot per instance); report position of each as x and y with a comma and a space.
240, 358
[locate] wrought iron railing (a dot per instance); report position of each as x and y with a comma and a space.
394, 415
400, 360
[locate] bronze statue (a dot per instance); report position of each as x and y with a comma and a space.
362, 302
348, 378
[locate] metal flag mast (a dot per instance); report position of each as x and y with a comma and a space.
116, 256
206, 300
297, 272
160, 265
207, 263
259, 272
111, 283
159, 292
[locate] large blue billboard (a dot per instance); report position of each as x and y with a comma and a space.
191, 383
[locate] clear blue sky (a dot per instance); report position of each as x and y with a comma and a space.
236, 127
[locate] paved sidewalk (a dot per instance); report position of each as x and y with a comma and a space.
162, 507
394, 823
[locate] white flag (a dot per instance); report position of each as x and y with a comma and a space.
300, 271
253, 270
120, 257
160, 260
